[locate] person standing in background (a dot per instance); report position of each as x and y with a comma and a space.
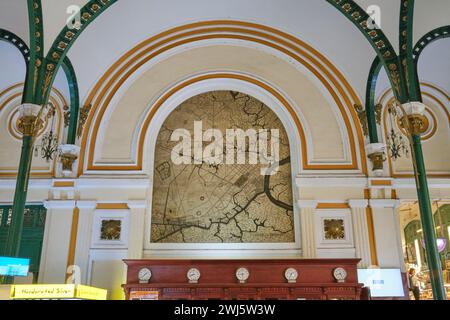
414, 283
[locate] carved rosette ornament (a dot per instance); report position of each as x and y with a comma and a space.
376, 152
68, 154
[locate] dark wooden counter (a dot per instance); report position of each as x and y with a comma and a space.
267, 280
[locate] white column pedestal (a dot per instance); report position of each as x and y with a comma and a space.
56, 241
84, 237
307, 210
387, 233
361, 231
136, 229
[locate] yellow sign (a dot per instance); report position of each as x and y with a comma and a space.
60, 291
44, 291
90, 293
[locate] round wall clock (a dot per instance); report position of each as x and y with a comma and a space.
193, 275
291, 275
144, 275
242, 274
340, 274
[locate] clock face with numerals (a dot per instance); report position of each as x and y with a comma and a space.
193, 275
291, 275
340, 274
144, 275
242, 274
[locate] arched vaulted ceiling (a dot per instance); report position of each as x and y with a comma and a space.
318, 23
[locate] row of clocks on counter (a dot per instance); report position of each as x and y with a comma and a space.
242, 275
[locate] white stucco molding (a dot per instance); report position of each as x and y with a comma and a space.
120, 183
414, 107
30, 109
327, 181
359, 203
384, 203
33, 184
307, 204
433, 183
373, 148
59, 204
137, 204
86, 204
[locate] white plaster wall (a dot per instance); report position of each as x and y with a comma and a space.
56, 242
387, 234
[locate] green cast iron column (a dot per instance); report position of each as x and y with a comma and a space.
15, 228
426, 216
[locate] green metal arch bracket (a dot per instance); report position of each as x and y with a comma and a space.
36, 50
370, 99
69, 71
64, 42
16, 41
379, 42
432, 36
406, 33
74, 99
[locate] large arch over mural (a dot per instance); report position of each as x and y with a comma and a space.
342, 95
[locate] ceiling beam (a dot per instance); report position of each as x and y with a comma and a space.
64, 42
379, 42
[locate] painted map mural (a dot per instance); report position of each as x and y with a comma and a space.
221, 203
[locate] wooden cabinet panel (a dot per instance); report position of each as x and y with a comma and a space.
266, 279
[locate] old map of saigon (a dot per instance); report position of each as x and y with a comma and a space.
224, 203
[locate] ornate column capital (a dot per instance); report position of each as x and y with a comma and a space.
27, 123
69, 153
376, 152
415, 113
414, 108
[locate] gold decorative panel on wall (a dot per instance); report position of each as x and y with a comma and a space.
110, 229
208, 201
334, 229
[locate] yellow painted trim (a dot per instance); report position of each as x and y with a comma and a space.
152, 52
112, 206
439, 102
63, 184
381, 182
441, 91
371, 231
333, 206
394, 194
73, 238
10, 88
